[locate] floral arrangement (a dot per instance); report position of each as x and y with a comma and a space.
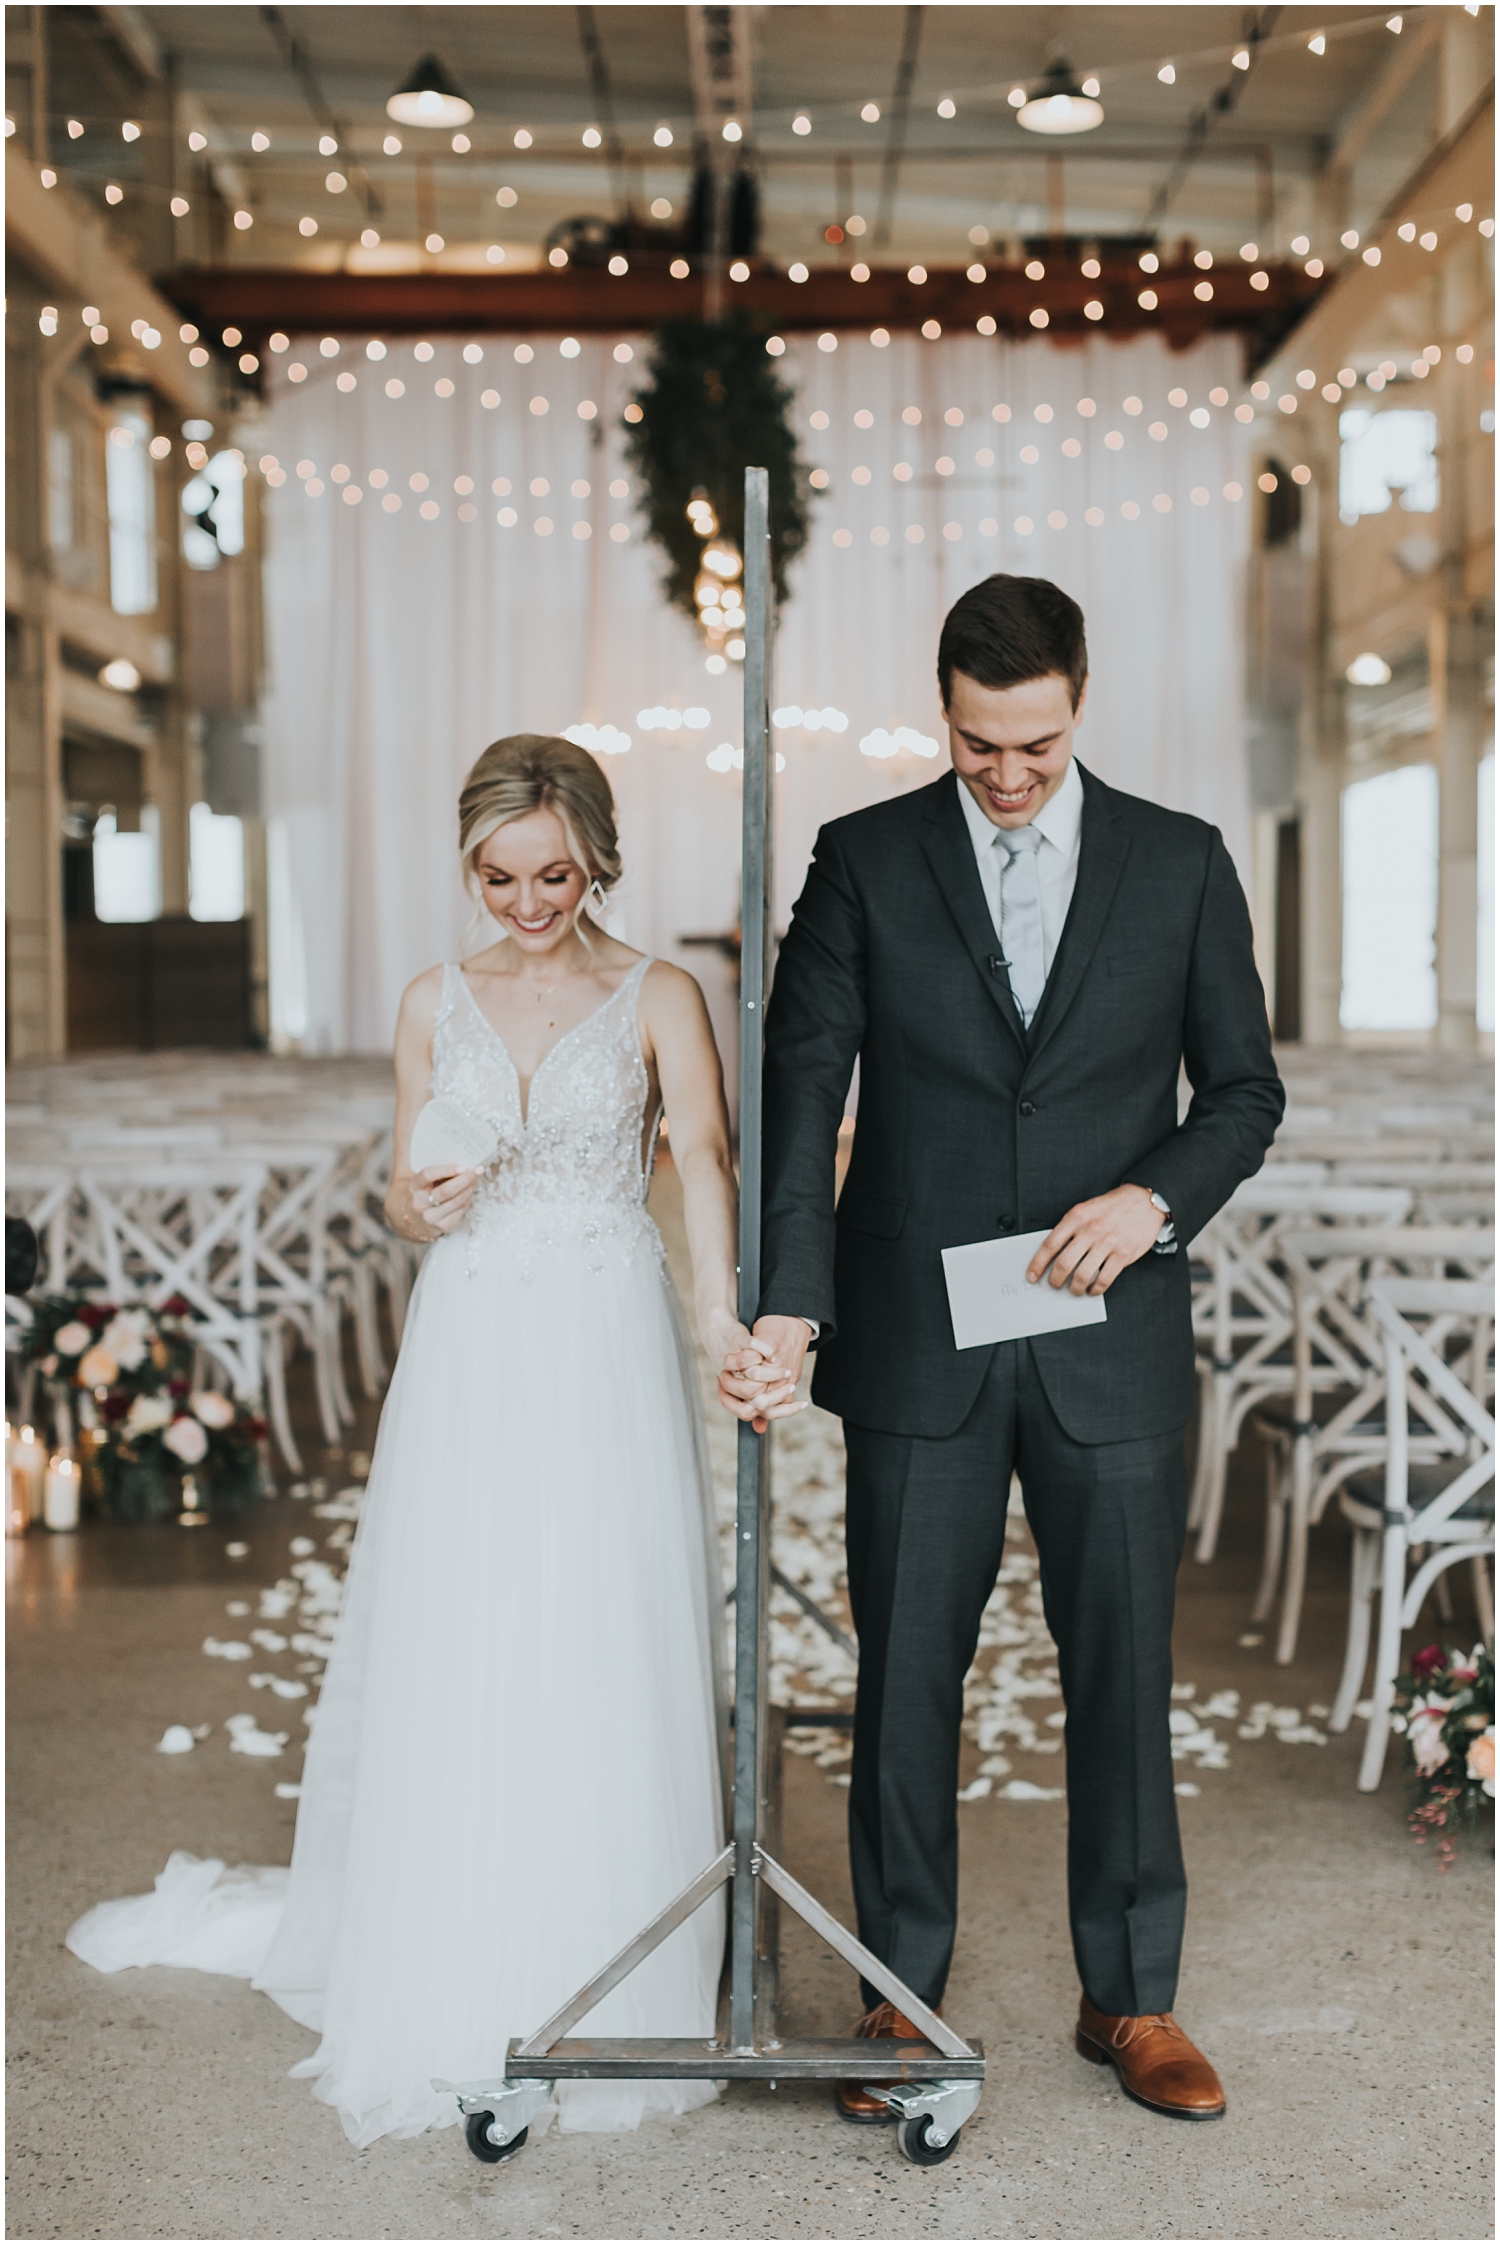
138, 1411
1446, 1709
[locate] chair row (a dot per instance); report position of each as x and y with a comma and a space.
273, 1244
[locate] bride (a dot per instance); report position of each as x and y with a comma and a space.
515, 1762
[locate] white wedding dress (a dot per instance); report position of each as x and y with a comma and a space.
515, 1761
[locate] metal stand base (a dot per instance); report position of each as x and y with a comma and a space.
640, 2059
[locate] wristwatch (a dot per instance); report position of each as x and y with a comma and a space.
1165, 1242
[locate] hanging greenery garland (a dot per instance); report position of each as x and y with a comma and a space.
712, 407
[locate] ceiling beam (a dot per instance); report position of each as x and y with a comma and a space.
895, 135
604, 107
463, 303
1220, 104
1398, 73
299, 62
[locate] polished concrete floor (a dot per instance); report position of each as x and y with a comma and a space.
1340, 1983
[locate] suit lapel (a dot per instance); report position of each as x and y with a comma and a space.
950, 853
1104, 845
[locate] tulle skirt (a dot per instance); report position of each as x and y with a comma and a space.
515, 1762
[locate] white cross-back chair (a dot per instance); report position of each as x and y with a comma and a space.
1244, 1313
288, 1254
1331, 1419
151, 1231
1440, 1514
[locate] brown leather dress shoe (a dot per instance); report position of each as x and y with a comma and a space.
885, 2023
1154, 2060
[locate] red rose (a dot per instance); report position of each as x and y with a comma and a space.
1428, 1661
116, 1405
177, 1305
177, 1387
95, 1314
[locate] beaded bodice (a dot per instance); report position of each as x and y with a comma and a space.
572, 1166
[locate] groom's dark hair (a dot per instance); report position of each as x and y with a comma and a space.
1010, 629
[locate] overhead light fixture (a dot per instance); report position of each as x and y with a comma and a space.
429, 96
1060, 105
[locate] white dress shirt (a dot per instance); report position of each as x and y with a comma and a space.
1060, 824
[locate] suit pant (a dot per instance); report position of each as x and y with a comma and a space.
926, 1531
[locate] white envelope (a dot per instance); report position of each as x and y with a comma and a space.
990, 1300
444, 1133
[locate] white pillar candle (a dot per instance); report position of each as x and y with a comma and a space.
17, 1495
60, 1499
25, 1455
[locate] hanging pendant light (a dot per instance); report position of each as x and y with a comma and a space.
1060, 105
429, 96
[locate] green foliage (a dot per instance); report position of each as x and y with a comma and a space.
714, 406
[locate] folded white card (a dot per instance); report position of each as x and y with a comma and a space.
990, 1299
445, 1136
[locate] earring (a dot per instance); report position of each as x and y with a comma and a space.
596, 899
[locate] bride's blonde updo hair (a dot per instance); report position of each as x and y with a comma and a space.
537, 772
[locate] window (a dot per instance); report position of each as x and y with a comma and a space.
1484, 980
130, 487
216, 866
1384, 452
127, 868
1390, 881
290, 1009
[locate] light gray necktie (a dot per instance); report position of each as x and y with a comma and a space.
1021, 917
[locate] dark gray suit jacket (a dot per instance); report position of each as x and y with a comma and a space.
969, 1127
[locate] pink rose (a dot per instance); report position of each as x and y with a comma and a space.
186, 1439
1424, 1728
1482, 1760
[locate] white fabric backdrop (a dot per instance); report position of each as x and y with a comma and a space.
400, 646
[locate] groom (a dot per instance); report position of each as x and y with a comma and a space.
1023, 961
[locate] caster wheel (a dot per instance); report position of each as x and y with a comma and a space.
914, 2142
477, 2136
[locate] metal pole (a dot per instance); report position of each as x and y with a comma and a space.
752, 1540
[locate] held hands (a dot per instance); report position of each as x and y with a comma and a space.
759, 1371
1097, 1240
436, 1201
